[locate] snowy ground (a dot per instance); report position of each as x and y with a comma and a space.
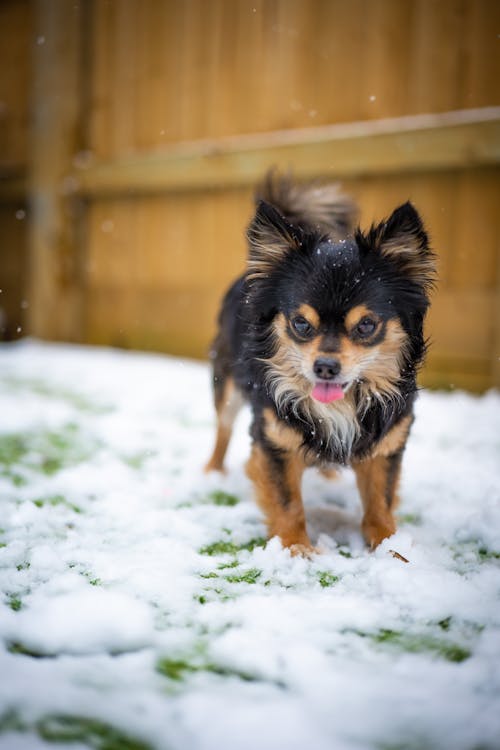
140, 608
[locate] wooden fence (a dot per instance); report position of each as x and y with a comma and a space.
132, 131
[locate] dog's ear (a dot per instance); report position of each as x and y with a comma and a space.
403, 239
270, 237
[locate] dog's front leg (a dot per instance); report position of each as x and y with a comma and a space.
277, 475
377, 480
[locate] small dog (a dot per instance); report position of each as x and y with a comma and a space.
323, 335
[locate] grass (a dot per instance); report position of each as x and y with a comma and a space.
25, 456
179, 669
421, 643
94, 733
138, 460
16, 647
487, 554
220, 591
250, 576
54, 501
413, 518
224, 547
44, 452
218, 497
327, 579
14, 603
41, 388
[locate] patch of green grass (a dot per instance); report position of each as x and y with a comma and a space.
327, 579
12, 450
344, 552
14, 602
250, 576
219, 497
41, 388
421, 643
54, 501
137, 460
412, 744
487, 554
16, 647
179, 669
214, 593
91, 732
11, 722
42, 451
175, 669
225, 566
413, 518
220, 548
445, 624
223, 547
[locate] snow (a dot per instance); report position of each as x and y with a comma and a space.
140, 607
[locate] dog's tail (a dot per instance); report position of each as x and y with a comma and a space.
310, 204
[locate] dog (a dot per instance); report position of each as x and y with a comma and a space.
323, 336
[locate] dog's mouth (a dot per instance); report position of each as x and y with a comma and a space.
325, 391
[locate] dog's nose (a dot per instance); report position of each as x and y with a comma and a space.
326, 369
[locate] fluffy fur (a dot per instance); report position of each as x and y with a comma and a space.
323, 335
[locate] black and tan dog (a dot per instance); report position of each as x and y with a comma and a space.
323, 335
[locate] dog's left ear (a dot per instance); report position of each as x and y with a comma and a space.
403, 239
270, 237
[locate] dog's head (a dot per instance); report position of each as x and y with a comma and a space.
336, 314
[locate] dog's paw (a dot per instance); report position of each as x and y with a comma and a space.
375, 532
214, 466
303, 550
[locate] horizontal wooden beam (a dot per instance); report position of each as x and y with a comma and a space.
451, 140
417, 143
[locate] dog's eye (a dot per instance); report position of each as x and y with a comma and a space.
302, 327
366, 327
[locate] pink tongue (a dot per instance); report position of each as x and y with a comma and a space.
327, 392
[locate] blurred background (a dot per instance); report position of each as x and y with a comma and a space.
132, 133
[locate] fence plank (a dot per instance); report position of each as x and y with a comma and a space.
55, 289
419, 143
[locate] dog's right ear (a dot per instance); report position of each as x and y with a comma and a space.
270, 237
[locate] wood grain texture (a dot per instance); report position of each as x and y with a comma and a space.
164, 113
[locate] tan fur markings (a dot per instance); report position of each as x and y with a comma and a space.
322, 205
395, 439
378, 366
378, 480
279, 498
286, 366
280, 434
310, 314
378, 522
267, 248
381, 366
419, 265
228, 406
356, 314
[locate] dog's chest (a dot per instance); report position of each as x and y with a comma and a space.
329, 432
